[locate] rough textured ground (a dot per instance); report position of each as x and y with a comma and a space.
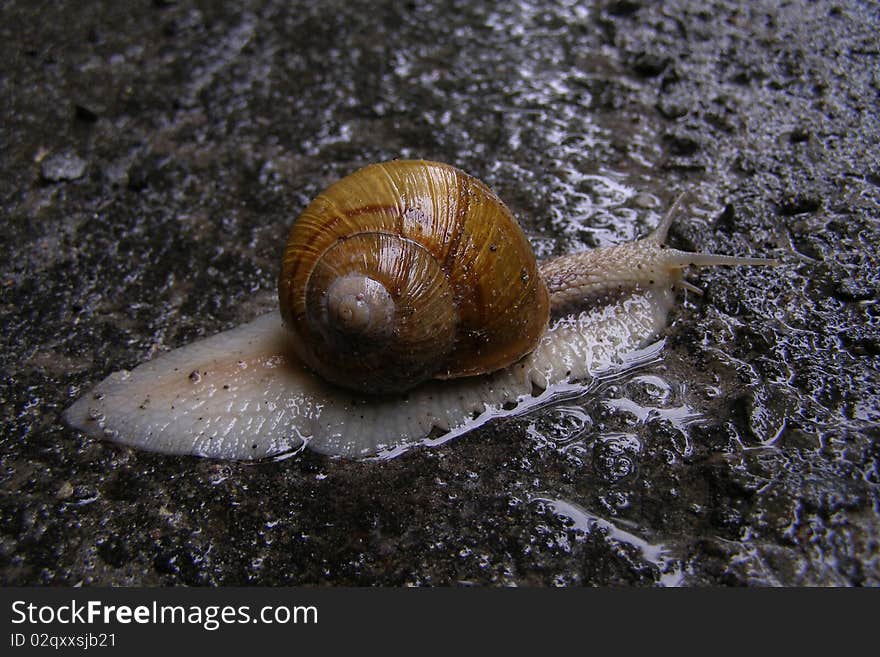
154, 155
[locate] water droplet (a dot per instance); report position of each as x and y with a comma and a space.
615, 457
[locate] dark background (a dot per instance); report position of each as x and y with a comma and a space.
154, 155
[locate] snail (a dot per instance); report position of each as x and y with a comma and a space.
412, 308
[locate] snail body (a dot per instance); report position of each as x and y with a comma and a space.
262, 390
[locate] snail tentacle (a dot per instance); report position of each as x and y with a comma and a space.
603, 273
660, 233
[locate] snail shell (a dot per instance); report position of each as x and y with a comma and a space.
406, 271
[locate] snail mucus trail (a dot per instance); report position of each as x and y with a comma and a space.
481, 328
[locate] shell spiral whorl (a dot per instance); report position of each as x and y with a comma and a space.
409, 270
380, 308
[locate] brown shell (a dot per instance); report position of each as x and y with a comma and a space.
457, 279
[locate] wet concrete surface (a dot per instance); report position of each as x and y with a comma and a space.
155, 154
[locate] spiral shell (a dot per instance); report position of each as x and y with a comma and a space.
406, 271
